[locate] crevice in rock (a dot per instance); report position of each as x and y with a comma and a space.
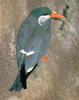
65, 13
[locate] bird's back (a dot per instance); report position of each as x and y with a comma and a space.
32, 37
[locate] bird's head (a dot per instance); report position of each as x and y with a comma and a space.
44, 15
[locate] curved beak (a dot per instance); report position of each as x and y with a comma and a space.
55, 15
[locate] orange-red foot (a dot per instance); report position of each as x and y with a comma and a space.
45, 58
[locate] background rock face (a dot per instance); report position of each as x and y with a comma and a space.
59, 78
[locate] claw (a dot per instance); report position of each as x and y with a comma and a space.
45, 58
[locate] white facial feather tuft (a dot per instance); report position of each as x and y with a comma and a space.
43, 19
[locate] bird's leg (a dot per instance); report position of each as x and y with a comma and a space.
45, 58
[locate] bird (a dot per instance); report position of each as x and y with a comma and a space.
32, 43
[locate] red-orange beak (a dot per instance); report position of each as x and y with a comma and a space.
56, 16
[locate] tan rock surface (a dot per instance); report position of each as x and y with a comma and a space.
59, 78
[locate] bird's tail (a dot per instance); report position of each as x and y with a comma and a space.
17, 85
20, 81
21, 78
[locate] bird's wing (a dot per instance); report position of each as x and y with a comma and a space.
31, 39
24, 35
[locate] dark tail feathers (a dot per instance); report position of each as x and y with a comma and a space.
17, 85
20, 81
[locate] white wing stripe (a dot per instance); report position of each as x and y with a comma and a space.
29, 69
27, 53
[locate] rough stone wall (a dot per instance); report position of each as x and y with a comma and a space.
59, 78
